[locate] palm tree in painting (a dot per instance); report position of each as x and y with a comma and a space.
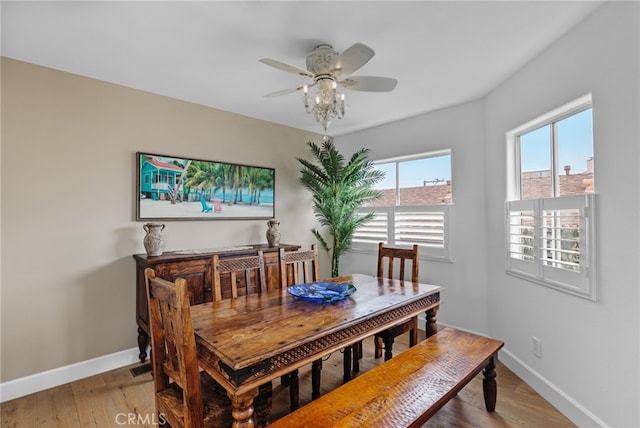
202, 176
223, 178
253, 179
260, 179
234, 178
238, 181
266, 182
178, 188
245, 181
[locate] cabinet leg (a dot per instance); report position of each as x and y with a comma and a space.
143, 343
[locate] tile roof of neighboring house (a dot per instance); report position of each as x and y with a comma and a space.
533, 186
412, 196
570, 184
164, 165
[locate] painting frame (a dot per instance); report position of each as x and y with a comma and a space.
170, 187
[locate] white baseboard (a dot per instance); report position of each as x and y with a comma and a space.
573, 410
61, 375
559, 399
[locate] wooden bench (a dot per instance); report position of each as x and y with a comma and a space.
409, 388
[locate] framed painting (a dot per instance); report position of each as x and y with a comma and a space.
175, 188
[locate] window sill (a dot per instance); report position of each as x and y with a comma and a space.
565, 288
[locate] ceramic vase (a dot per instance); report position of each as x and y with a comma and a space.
273, 233
154, 239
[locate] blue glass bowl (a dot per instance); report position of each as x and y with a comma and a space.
322, 292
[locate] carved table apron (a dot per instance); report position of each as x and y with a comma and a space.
246, 342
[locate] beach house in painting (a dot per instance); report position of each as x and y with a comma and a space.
158, 179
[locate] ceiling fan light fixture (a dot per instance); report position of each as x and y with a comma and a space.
327, 104
325, 66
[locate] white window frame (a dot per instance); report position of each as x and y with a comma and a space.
525, 257
392, 225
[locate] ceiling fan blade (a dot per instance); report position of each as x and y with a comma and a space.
288, 91
352, 59
286, 67
369, 83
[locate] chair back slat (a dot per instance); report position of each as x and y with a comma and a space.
388, 255
298, 267
171, 363
246, 267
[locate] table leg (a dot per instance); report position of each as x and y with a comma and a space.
378, 346
346, 362
388, 347
357, 355
432, 322
284, 380
316, 369
242, 411
294, 390
489, 386
263, 403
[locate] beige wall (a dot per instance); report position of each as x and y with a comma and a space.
68, 213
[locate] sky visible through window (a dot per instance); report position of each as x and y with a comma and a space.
416, 173
575, 145
575, 148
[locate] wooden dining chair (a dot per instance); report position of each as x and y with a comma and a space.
247, 275
387, 256
299, 267
184, 396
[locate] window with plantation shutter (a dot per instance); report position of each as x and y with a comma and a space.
415, 209
405, 226
424, 226
551, 241
550, 219
521, 236
376, 230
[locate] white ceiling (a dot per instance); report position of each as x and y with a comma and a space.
442, 53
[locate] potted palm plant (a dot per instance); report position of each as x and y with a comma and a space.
339, 189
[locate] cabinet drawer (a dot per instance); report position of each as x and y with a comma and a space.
197, 273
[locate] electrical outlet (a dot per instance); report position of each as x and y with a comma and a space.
536, 347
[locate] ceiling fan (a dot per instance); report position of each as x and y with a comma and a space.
324, 63
328, 69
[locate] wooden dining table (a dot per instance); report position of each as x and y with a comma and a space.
248, 342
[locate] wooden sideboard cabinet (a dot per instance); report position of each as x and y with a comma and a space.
195, 267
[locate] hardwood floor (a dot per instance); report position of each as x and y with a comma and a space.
117, 398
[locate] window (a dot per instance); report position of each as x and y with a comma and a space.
556, 159
550, 214
415, 207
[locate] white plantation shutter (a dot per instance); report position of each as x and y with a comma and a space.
551, 241
426, 226
375, 230
521, 241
